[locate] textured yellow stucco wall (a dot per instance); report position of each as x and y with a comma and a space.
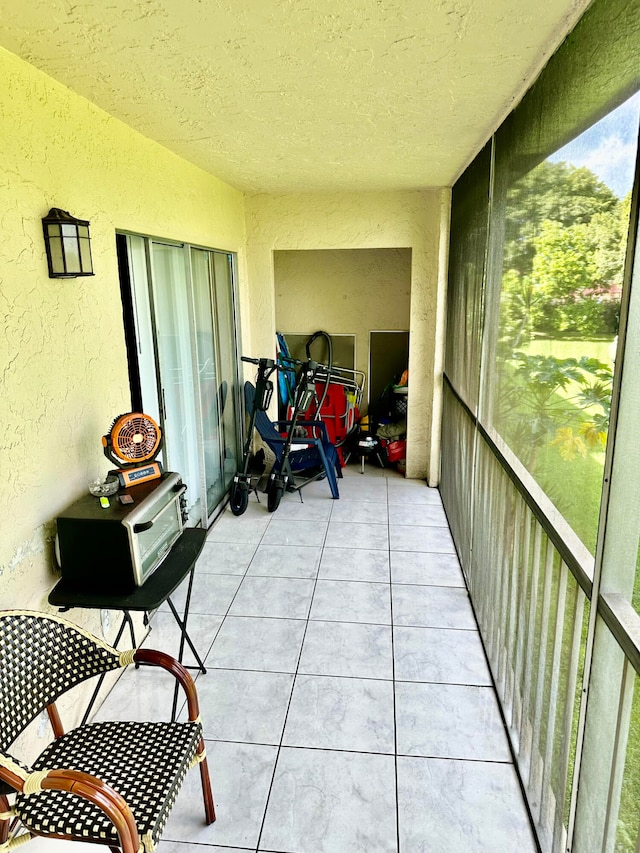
63, 370
343, 291
414, 220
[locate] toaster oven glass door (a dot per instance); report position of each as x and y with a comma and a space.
152, 545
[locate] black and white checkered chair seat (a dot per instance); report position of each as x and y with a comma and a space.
144, 762
133, 770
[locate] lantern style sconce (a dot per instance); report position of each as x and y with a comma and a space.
68, 244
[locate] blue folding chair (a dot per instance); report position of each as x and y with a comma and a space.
316, 457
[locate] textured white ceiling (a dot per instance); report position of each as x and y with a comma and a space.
300, 95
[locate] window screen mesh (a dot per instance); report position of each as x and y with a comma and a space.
469, 229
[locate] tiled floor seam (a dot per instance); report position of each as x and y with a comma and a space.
316, 749
393, 676
324, 675
293, 684
222, 621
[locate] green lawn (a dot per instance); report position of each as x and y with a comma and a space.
575, 485
575, 488
572, 348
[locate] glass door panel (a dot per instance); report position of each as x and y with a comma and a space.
145, 346
211, 387
183, 360
176, 361
227, 362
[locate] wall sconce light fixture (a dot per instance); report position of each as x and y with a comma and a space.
68, 244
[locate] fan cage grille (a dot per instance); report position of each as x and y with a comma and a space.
135, 438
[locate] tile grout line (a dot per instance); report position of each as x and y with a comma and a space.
246, 573
222, 620
338, 621
486, 685
338, 580
224, 617
257, 845
507, 762
393, 681
293, 685
208, 616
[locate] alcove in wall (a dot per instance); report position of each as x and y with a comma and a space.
343, 292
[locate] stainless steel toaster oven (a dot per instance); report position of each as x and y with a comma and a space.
118, 547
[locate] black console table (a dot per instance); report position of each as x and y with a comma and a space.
158, 588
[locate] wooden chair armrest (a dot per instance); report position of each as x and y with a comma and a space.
11, 778
152, 657
90, 788
101, 795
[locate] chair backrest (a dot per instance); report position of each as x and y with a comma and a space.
337, 412
267, 430
41, 657
301, 458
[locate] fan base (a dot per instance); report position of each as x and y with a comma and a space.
141, 474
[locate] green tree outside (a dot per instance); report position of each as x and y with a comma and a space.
562, 278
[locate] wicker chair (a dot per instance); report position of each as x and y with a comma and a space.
110, 783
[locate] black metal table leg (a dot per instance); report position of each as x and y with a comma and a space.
157, 588
126, 618
184, 636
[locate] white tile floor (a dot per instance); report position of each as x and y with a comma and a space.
347, 703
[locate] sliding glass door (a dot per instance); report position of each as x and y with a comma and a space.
183, 360
216, 357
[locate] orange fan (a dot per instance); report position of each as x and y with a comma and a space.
132, 444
